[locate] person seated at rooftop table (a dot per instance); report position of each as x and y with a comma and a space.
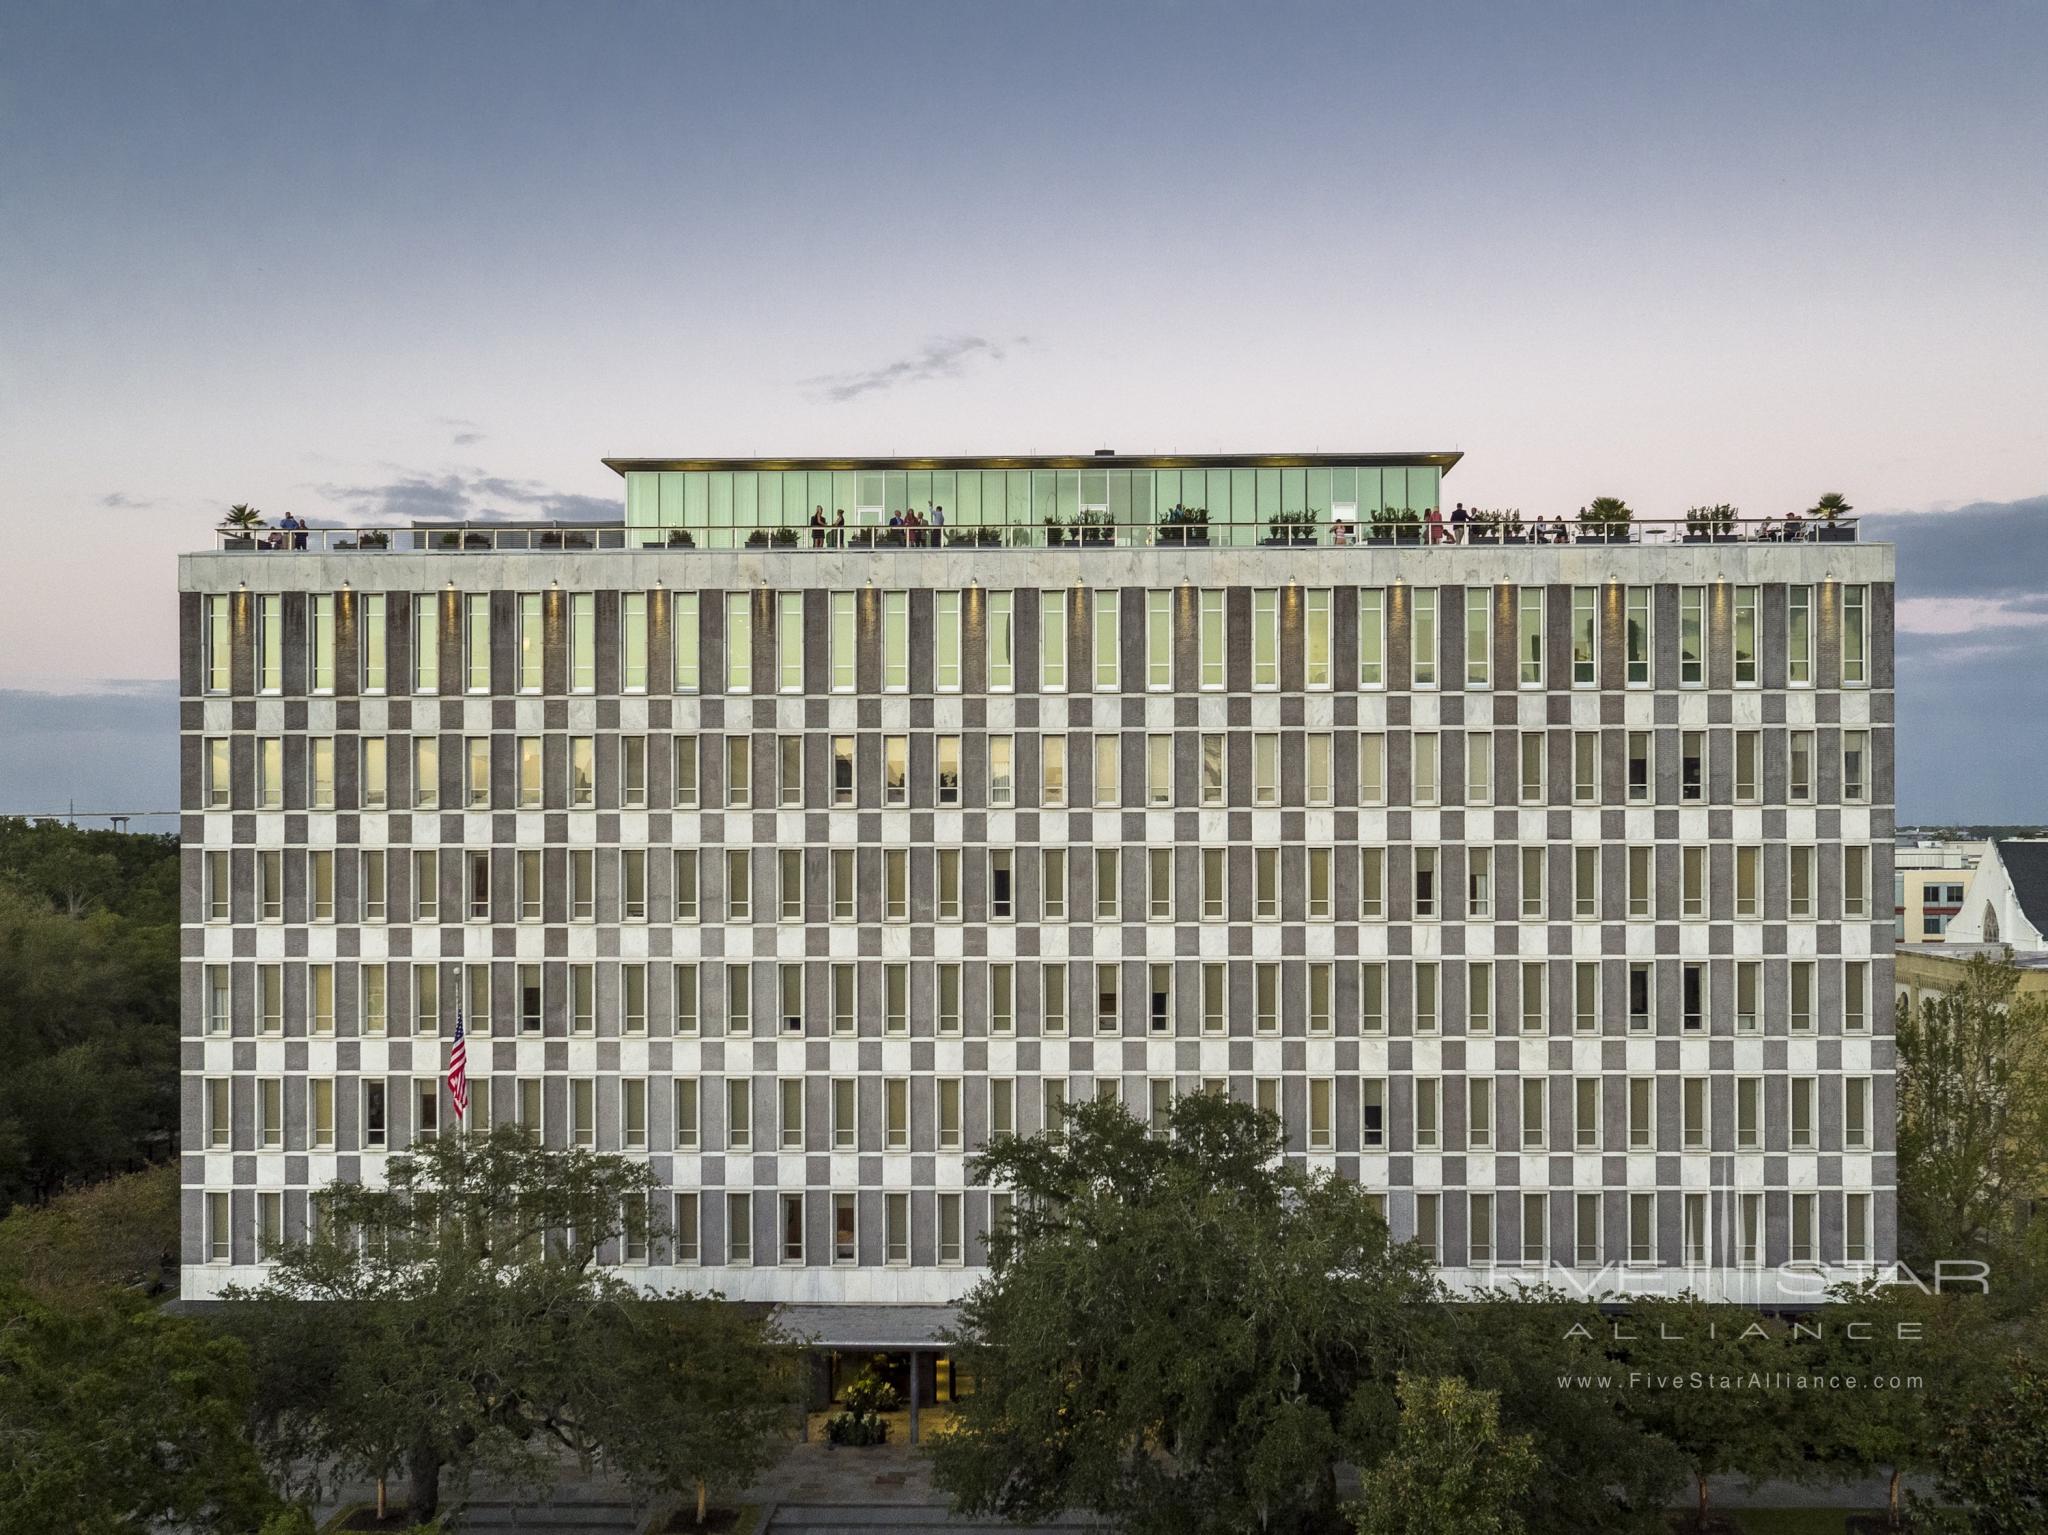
1559, 533
1794, 529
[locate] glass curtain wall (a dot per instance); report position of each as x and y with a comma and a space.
737, 508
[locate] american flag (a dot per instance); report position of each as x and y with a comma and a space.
458, 1070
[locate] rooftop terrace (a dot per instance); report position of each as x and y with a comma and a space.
1103, 500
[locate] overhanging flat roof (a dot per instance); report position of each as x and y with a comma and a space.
867, 1327
1442, 461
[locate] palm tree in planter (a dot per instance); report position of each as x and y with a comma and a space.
240, 523
1604, 520
1829, 511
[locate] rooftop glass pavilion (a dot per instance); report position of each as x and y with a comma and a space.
720, 503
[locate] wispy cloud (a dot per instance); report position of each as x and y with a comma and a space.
459, 496
462, 433
947, 357
121, 501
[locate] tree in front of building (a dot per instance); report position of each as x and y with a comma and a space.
1699, 1375
695, 1393
460, 1321
1973, 1117
1543, 1354
1179, 1331
1452, 1471
118, 1419
1991, 1462
1919, 1360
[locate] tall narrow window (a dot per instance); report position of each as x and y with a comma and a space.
946, 641
371, 641
426, 642
270, 644
1372, 637
633, 642
1002, 642
1315, 646
476, 642
1104, 642
1422, 637
1478, 637
1529, 637
1745, 636
1636, 636
739, 642
1692, 650
1585, 628
531, 642
583, 642
1265, 638
1052, 642
1855, 637
220, 651
1211, 639
1799, 636
895, 642
320, 638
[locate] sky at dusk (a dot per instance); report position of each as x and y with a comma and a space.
379, 261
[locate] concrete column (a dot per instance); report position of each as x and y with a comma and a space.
915, 1369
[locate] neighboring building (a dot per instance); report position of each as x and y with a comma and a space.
1532, 886
1928, 879
2007, 899
1924, 971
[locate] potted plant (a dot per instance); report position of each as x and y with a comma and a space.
1828, 513
1709, 524
1604, 520
1184, 525
862, 1423
680, 538
783, 538
374, 540
1095, 528
240, 523
1296, 527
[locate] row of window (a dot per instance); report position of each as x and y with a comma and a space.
1279, 997
940, 1123
718, 1228
1229, 883
1104, 769
1088, 624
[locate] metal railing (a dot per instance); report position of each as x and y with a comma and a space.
1080, 534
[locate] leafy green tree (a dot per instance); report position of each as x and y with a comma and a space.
118, 1419
1973, 1115
455, 1306
463, 1322
1544, 1354
88, 1006
1452, 1471
118, 1235
1908, 1362
1993, 1460
1179, 1332
1694, 1370
698, 1394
